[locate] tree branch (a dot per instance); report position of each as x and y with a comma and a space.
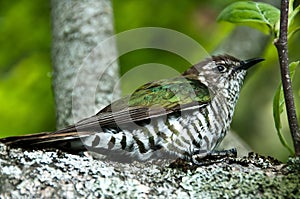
282, 49
84, 58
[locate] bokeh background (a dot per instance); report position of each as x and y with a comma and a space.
26, 98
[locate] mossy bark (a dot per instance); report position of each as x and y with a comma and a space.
55, 174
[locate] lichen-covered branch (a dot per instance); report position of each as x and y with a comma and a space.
54, 174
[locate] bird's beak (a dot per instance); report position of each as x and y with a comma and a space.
244, 65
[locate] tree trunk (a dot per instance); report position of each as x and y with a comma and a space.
84, 58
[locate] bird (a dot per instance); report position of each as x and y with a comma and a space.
181, 117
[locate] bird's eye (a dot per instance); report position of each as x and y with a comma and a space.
221, 68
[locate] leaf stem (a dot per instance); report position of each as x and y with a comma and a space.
293, 32
282, 49
293, 14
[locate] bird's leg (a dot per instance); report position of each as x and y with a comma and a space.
212, 157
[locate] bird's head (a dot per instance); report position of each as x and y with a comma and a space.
219, 72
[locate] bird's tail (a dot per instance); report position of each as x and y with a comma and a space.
65, 140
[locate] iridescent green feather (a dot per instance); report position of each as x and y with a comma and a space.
170, 93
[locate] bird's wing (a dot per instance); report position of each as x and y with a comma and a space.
149, 101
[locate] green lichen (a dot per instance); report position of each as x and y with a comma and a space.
54, 174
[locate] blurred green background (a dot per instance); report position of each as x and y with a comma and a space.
26, 99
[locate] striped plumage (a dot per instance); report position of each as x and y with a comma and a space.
176, 117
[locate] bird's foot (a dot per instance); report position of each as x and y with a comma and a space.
213, 157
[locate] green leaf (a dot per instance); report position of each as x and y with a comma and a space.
278, 105
292, 67
258, 15
293, 14
277, 108
293, 32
